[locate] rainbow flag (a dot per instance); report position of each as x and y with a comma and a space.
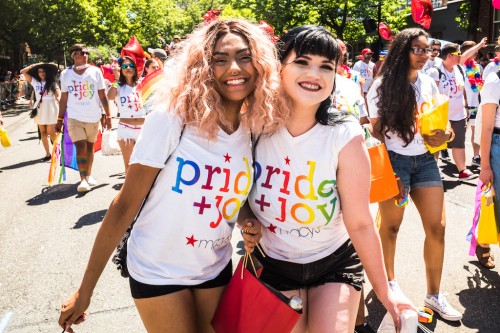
150, 84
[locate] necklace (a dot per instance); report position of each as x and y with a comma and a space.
474, 75
79, 68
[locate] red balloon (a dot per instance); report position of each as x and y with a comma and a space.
134, 50
107, 72
421, 11
266, 27
496, 4
384, 31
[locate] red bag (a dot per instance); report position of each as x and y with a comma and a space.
250, 305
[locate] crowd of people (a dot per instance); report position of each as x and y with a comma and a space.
263, 135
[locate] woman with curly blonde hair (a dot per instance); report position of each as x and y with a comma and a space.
194, 158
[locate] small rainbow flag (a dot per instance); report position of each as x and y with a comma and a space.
150, 84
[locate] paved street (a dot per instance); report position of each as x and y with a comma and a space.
46, 234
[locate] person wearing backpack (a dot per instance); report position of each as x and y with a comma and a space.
450, 79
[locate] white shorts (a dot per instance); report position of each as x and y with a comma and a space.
128, 132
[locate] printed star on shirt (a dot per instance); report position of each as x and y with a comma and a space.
76, 95
272, 228
191, 240
227, 158
287, 160
130, 106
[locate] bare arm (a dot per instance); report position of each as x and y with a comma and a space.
354, 188
63, 103
120, 215
32, 97
105, 105
488, 123
470, 52
57, 95
25, 70
376, 130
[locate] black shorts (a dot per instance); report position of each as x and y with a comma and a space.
142, 290
342, 266
459, 127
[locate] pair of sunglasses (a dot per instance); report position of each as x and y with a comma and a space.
420, 51
458, 54
81, 53
125, 66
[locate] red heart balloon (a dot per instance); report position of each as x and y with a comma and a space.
107, 72
496, 4
421, 12
384, 31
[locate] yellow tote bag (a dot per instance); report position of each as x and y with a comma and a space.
487, 230
4, 138
436, 118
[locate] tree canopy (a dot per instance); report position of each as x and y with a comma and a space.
51, 26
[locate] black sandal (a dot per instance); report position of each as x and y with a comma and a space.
485, 257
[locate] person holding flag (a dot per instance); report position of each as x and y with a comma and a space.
82, 88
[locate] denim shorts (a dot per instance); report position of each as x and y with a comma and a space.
142, 290
342, 266
495, 167
419, 171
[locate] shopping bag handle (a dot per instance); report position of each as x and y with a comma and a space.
248, 256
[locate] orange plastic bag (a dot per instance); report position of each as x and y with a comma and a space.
383, 183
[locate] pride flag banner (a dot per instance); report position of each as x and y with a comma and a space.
150, 84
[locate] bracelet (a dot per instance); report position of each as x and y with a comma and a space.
114, 85
396, 176
452, 137
60, 118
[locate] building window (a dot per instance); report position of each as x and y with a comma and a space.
496, 24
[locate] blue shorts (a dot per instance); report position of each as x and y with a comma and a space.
419, 171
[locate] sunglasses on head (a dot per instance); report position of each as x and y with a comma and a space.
458, 54
81, 53
420, 51
125, 66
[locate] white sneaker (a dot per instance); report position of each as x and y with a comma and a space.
91, 181
441, 306
83, 186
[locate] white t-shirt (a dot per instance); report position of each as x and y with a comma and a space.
426, 92
366, 71
452, 85
472, 96
348, 97
129, 102
83, 98
431, 63
38, 88
183, 234
490, 68
295, 196
491, 94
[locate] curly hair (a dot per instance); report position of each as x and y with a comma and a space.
192, 94
315, 40
122, 80
397, 99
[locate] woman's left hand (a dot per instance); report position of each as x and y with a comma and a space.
252, 233
437, 139
395, 304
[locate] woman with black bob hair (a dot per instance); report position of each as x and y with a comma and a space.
304, 170
396, 101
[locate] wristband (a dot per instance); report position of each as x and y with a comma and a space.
425, 315
452, 137
60, 118
114, 85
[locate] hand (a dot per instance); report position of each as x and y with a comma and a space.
437, 139
483, 41
395, 305
116, 71
486, 175
108, 123
401, 193
59, 126
31, 104
1, 121
252, 233
73, 311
